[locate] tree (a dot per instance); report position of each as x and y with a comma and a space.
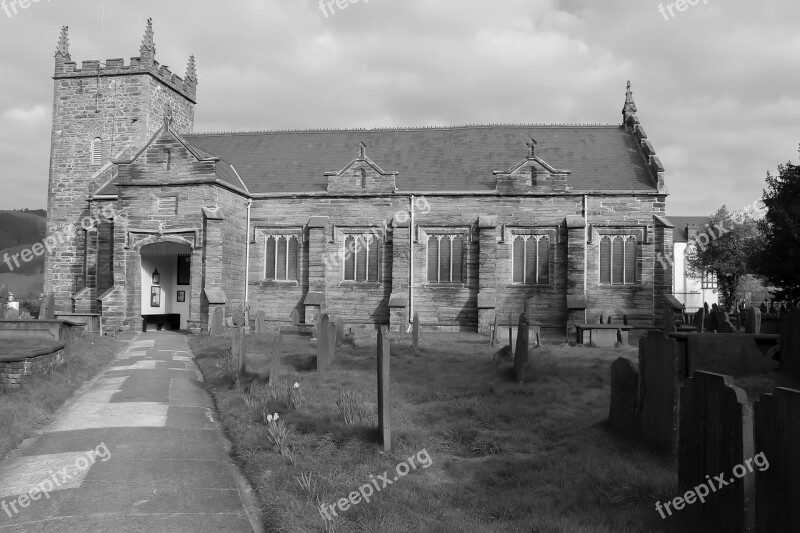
724, 249
778, 254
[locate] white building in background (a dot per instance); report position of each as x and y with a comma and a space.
691, 291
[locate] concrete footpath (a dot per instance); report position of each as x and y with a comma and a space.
138, 449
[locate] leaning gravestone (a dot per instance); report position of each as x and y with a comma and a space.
521, 352
260, 322
753, 324
218, 322
384, 393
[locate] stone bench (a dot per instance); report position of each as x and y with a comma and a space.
602, 335
22, 359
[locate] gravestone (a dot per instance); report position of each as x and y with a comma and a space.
777, 431
295, 317
12, 314
275, 357
608, 320
716, 432
493, 334
714, 321
624, 410
720, 322
521, 352
48, 310
218, 322
339, 329
324, 341
415, 334
601, 318
753, 324
669, 321
25, 315
790, 343
3, 299
384, 390
700, 320
624, 320
763, 307
237, 345
260, 323
659, 368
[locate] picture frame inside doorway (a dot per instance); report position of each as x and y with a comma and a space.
155, 296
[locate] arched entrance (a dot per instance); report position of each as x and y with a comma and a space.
166, 285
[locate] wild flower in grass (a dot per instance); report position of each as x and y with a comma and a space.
352, 407
278, 434
296, 397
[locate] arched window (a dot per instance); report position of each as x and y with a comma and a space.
531, 263
445, 258
280, 258
97, 150
618, 259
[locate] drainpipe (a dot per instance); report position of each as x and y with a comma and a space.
247, 257
585, 251
411, 263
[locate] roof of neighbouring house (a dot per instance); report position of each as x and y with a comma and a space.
459, 158
680, 224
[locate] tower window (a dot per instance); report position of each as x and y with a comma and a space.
97, 150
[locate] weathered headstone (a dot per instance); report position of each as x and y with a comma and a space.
721, 322
753, 324
493, 334
237, 345
295, 317
608, 320
659, 368
790, 343
510, 329
415, 334
601, 318
669, 321
275, 357
12, 314
384, 390
339, 329
624, 410
716, 428
218, 322
324, 342
777, 432
521, 352
624, 320
260, 323
48, 311
763, 307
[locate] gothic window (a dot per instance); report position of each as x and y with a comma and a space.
361, 254
445, 258
97, 150
531, 259
709, 281
618, 254
280, 263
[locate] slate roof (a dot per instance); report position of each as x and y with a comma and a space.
680, 224
460, 158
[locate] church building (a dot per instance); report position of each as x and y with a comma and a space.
152, 223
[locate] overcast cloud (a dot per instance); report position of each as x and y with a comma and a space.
715, 85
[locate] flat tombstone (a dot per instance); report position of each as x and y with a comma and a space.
384, 391
521, 352
323, 344
753, 324
622, 415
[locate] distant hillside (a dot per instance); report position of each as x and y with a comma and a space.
19, 228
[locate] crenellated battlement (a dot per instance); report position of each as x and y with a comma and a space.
145, 63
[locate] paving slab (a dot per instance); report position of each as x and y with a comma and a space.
140, 449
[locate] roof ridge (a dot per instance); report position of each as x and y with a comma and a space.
400, 128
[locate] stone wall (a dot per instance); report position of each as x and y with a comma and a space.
15, 369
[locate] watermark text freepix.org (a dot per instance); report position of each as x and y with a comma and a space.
679, 5
55, 480
379, 482
327, 6
12, 7
713, 485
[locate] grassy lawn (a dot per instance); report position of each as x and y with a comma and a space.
502, 457
29, 408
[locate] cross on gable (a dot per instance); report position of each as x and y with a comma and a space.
532, 147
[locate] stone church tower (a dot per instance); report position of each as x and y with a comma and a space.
101, 113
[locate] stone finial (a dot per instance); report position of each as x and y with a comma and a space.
148, 49
629, 109
63, 43
191, 72
362, 150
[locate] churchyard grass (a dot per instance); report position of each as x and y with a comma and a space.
505, 457
25, 410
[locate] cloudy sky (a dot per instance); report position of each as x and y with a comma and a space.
714, 84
